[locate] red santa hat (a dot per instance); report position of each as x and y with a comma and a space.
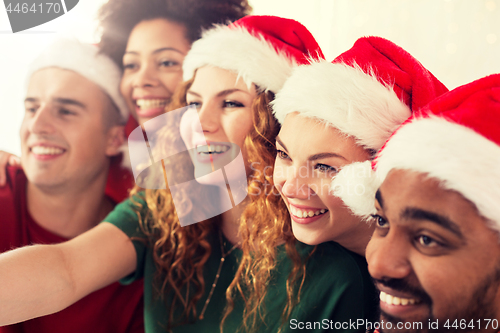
84, 59
366, 92
261, 49
455, 139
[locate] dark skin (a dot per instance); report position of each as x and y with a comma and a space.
432, 248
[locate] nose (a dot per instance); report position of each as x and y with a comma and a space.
42, 122
146, 76
209, 118
387, 257
292, 184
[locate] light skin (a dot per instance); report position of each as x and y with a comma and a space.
225, 113
69, 271
65, 151
66, 196
304, 167
153, 66
152, 71
432, 248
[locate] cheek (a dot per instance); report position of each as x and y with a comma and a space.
170, 81
338, 211
279, 172
126, 87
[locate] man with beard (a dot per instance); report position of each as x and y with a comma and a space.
435, 252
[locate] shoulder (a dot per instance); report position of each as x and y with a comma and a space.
127, 215
16, 179
340, 268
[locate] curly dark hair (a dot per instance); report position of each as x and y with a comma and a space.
118, 17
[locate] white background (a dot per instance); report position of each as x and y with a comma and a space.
457, 40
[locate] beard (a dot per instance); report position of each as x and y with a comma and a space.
480, 306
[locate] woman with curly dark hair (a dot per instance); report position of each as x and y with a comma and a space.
149, 39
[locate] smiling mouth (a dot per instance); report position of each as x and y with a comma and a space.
393, 300
44, 150
303, 213
211, 149
145, 104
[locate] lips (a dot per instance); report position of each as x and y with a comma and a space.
394, 300
46, 152
210, 152
150, 107
306, 215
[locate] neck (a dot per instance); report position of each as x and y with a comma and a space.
357, 239
70, 210
231, 221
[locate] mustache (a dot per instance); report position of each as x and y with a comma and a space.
404, 287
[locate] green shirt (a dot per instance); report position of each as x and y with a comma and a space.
337, 288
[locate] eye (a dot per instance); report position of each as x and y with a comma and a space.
232, 104
282, 155
129, 66
325, 168
380, 221
195, 104
168, 63
66, 112
427, 241
31, 110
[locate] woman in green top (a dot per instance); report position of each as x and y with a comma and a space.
197, 276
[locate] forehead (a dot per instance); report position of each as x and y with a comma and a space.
404, 189
305, 136
49, 83
151, 35
210, 80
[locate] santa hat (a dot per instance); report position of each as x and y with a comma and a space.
367, 92
261, 49
455, 139
85, 60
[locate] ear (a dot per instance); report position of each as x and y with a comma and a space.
115, 139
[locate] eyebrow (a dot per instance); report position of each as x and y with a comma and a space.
315, 156
65, 101
443, 221
221, 93
157, 51
379, 198
281, 143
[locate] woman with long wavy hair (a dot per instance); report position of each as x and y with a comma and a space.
197, 274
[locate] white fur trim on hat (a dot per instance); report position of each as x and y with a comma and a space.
83, 59
344, 97
234, 48
460, 158
356, 184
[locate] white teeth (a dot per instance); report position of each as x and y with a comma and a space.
393, 300
217, 149
151, 103
301, 213
42, 150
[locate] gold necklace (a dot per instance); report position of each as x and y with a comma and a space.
222, 259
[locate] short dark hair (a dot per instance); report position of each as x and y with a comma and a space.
118, 18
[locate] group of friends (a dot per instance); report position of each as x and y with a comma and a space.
370, 201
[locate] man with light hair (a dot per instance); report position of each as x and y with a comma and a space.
73, 125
